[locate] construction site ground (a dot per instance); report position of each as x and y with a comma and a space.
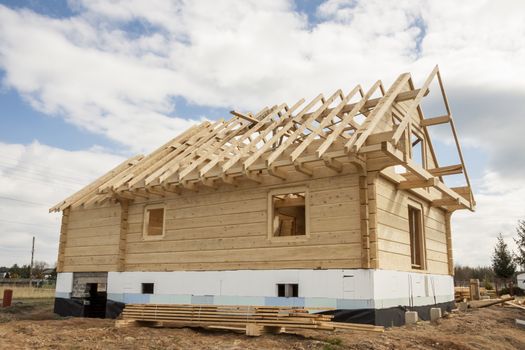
31, 324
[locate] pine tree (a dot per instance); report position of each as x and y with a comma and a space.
502, 261
520, 242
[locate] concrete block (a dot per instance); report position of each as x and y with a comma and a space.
520, 323
463, 306
411, 317
435, 313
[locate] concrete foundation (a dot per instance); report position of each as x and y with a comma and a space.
359, 295
435, 314
411, 317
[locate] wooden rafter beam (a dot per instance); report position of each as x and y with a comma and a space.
435, 121
288, 124
405, 185
274, 171
324, 122
424, 174
254, 176
447, 170
277, 152
189, 185
333, 164
244, 116
443, 202
303, 168
358, 139
373, 102
228, 179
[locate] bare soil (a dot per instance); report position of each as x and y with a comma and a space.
32, 325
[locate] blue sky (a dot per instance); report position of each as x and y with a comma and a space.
84, 84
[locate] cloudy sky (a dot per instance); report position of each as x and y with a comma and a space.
85, 84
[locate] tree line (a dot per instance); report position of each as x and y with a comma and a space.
17, 271
504, 266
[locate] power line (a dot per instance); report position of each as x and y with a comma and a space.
29, 171
23, 201
40, 164
57, 183
25, 223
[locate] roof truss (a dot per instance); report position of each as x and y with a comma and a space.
328, 129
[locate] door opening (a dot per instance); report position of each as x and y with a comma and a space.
95, 305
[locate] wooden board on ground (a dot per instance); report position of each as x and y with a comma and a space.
254, 320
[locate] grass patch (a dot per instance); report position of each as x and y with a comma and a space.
333, 343
27, 292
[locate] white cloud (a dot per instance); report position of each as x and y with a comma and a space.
499, 207
114, 67
33, 178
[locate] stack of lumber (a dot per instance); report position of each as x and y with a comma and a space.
252, 319
461, 293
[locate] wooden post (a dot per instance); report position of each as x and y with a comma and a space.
124, 209
474, 289
448, 234
365, 229
31, 266
372, 219
63, 238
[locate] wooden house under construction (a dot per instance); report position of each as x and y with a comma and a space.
338, 202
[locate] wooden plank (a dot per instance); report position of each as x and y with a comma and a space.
358, 139
347, 119
256, 254
323, 263
244, 116
246, 149
435, 121
417, 183
299, 131
93, 187
323, 123
447, 170
63, 239
121, 263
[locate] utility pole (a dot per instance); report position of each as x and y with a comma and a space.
31, 266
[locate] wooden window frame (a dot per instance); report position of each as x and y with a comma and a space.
416, 205
145, 235
423, 144
286, 190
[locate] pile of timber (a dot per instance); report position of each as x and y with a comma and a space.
253, 320
461, 294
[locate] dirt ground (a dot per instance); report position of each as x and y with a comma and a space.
32, 325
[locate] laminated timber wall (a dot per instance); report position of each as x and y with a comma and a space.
224, 229
393, 236
92, 239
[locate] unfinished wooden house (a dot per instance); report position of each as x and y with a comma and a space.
336, 203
